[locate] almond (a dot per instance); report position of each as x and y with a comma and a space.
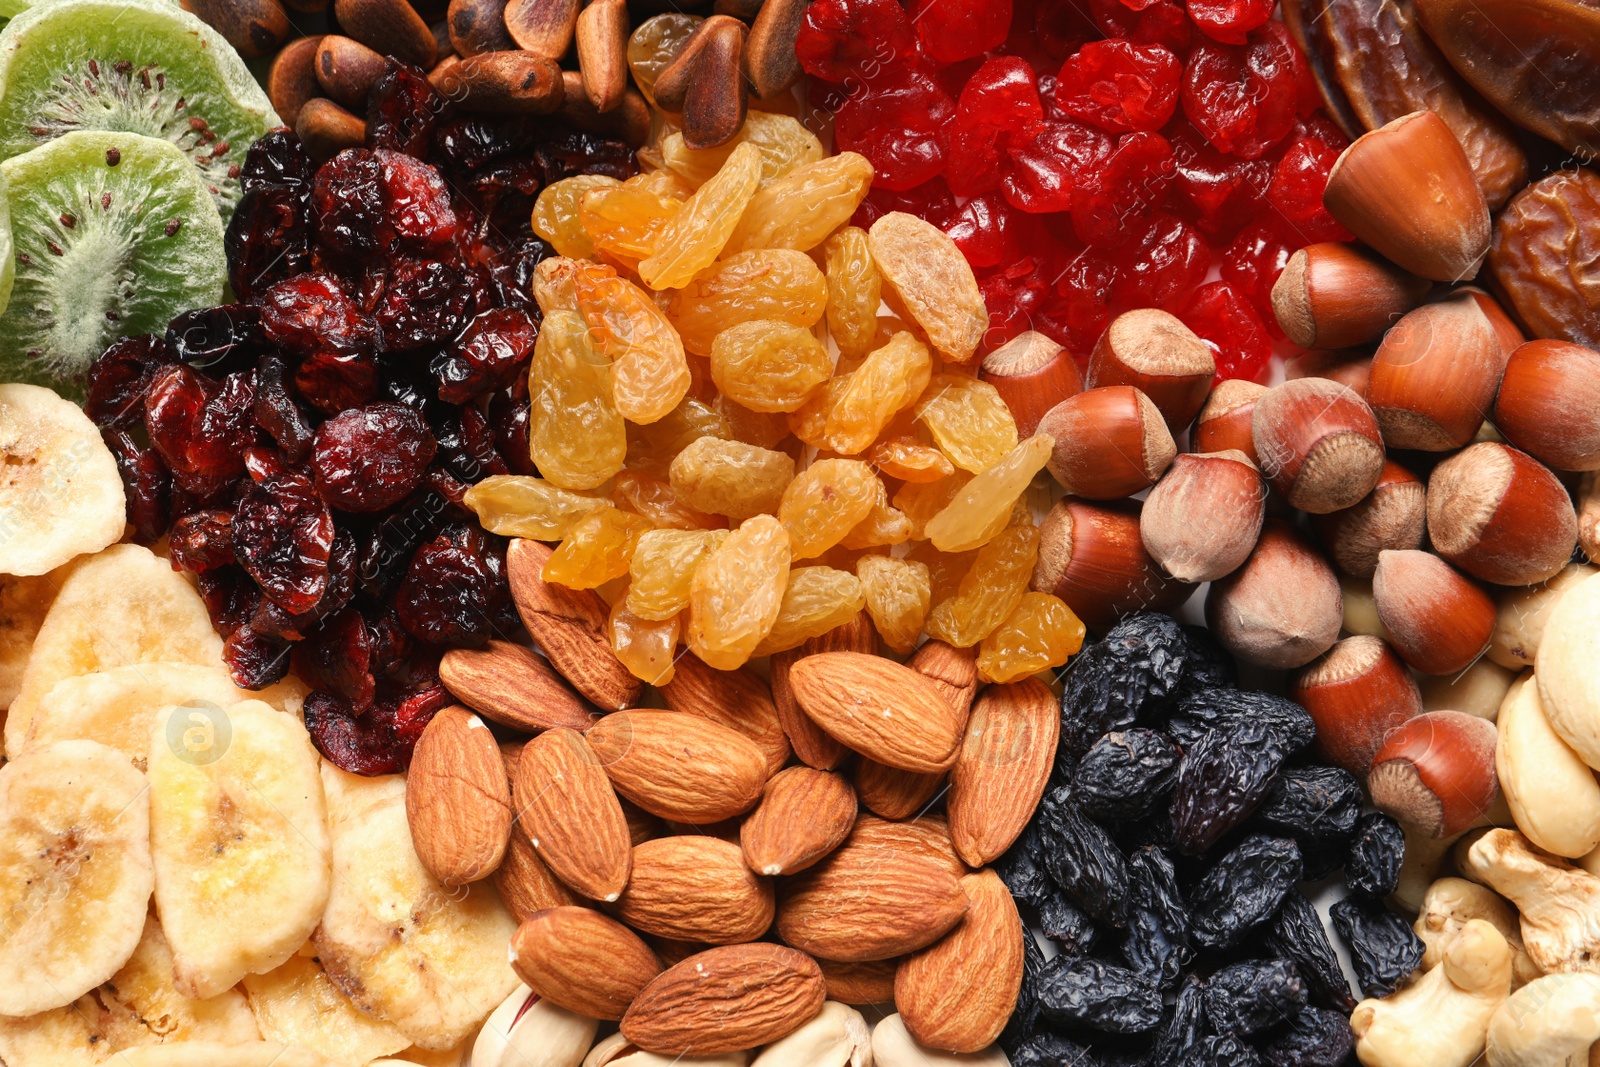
811, 742
526, 882
457, 798
1001, 770
583, 961
695, 889
869, 904
957, 994
893, 793
953, 670
642, 826
570, 625
804, 815
680, 767
566, 806
867, 982
927, 836
740, 700
515, 687
877, 707
725, 1000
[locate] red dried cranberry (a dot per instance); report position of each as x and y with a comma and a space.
1230, 327
508, 414
930, 201
338, 658
418, 208
390, 647
1216, 193
277, 158
146, 483
509, 267
1164, 23
1049, 161
268, 239
203, 540
220, 339
272, 620
1001, 96
402, 110
371, 458
466, 446
336, 381
1230, 21
200, 428
1253, 261
117, 382
309, 314
347, 202
1115, 199
254, 660
1161, 265
230, 597
953, 30
444, 597
278, 413
1243, 97
422, 303
1119, 86
895, 125
984, 230
853, 39
1296, 191
571, 152
364, 744
487, 355
283, 535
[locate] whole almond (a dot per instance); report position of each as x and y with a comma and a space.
957, 994
457, 798
1001, 770
695, 889
893, 793
602, 34
526, 883
724, 1000
642, 826
804, 814
885, 711
570, 626
672, 951
866, 982
869, 904
927, 836
542, 26
583, 961
740, 700
514, 686
953, 670
811, 742
680, 767
566, 806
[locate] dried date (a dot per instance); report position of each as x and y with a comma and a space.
1243, 891
1126, 774
1080, 991
1383, 947
1546, 256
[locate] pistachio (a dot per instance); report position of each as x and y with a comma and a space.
837, 1037
618, 1051
527, 1031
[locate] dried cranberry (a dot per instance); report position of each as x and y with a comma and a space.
446, 592
371, 458
1001, 96
1115, 199
1230, 327
953, 30
146, 483
509, 267
199, 426
117, 382
487, 355
1119, 86
338, 658
310, 314
220, 339
1161, 265
1164, 23
277, 158
466, 446
422, 303
1296, 191
416, 709
364, 744
254, 660
278, 413
1215, 192
389, 646
984, 230
508, 415
417, 208
896, 126
283, 536
1243, 97
1051, 160
1230, 21
931, 201
1253, 261
853, 39
402, 110
271, 619
572, 152
230, 597
203, 540
335, 381
347, 202
268, 240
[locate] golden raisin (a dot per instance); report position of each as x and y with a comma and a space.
892, 378
662, 567
825, 502
882, 526
695, 235
945, 569
908, 457
655, 499
552, 285
991, 588
983, 506
779, 284
555, 213
800, 209
929, 277
783, 142
768, 365
625, 220
921, 501
1040, 633
897, 597
809, 422
817, 600
731, 478
654, 43
764, 429
737, 592
649, 372
513, 505
855, 289
575, 435
648, 649
652, 448
969, 421
596, 549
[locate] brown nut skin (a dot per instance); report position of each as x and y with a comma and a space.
292, 78
1408, 190
1434, 376
506, 83
1032, 374
542, 26
1509, 333
1333, 295
1318, 443
347, 70
1347, 366
602, 36
1092, 557
1109, 442
478, 26
328, 129
1157, 354
717, 100
255, 28
390, 28
1436, 773
1356, 694
629, 121
1549, 404
553, 953
770, 62
1437, 618
1501, 515
671, 89
1224, 422
1283, 608
1202, 519
1546, 256
1393, 515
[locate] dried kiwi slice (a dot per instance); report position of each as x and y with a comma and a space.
133, 66
115, 234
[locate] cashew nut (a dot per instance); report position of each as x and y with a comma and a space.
1569, 685
893, 1047
1560, 904
1361, 608
1478, 690
1589, 514
1453, 902
543, 1035
1553, 794
615, 1051
836, 1037
1422, 864
1521, 615
1551, 1022
1442, 1018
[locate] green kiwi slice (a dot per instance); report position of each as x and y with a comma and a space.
131, 66
114, 235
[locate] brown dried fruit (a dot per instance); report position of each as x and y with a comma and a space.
1544, 256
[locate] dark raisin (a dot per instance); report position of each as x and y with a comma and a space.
1227, 1050
1129, 674
371, 458
1068, 925
1248, 997
1317, 1037
1297, 934
268, 240
1025, 1016
1373, 866
1050, 1050
402, 110
277, 158
1313, 804
487, 355
338, 658
278, 412
423, 302
1224, 777
1091, 993
1383, 947
1228, 708
1180, 1041
1208, 665
1022, 867
361, 744
283, 535
509, 417
203, 540
218, 340
1157, 943
146, 483
446, 590
230, 597
1126, 774
255, 660
1243, 891
117, 382
347, 202
1083, 859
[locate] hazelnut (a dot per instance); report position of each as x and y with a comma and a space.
1156, 353
1434, 376
1391, 516
1438, 619
1033, 374
1091, 556
1509, 333
1282, 609
1224, 422
1204, 516
1356, 693
1347, 366
1549, 404
1318, 444
1500, 515
1478, 690
1109, 442
1436, 773
1334, 294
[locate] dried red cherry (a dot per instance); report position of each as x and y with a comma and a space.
338, 658
953, 30
277, 158
508, 414
1119, 86
371, 458
1252, 262
1296, 191
896, 126
1113, 201
423, 302
487, 355
1217, 193
283, 535
277, 411
255, 660
1001, 96
985, 230
1244, 97
364, 744
230, 597
117, 382
1230, 327
1049, 161
417, 202
1230, 21
347, 202
843, 39
1160, 265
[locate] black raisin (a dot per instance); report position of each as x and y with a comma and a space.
1081, 991
1157, 943
1317, 1037
1227, 1050
1050, 1050
1229, 708
1208, 665
1083, 859
1224, 777
1068, 925
1297, 934
1132, 673
1126, 774
1383, 947
1243, 891
1313, 804
1025, 1016
1022, 867
1373, 866
1248, 997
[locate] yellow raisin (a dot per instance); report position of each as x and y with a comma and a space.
575, 436
662, 567
649, 372
855, 289
625, 220
695, 235
648, 649
663, 183
908, 457
898, 594
764, 429
826, 501
768, 365
655, 499
552, 285
555, 213
982, 507
891, 378
991, 588
778, 284
596, 549
654, 43
969, 421
945, 569
800, 209
1040, 633
783, 142
652, 448
930, 277
514, 505
882, 526
817, 600
809, 422
921, 501
737, 592
731, 478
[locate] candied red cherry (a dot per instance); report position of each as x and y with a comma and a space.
203, 540
371, 458
1243, 97
1119, 86
1044, 32
842, 39
146, 483
1001, 96
283, 535
219, 339
1164, 23
337, 658
1082, 309
418, 202
424, 302
1230, 327
953, 30
445, 594
984, 230
1296, 190
268, 239
230, 596
1252, 262
1230, 21
362, 744
1049, 161
255, 660
1115, 198
347, 202
895, 125
930, 201
1218, 193
117, 382
1012, 294
402, 110
1160, 265
487, 355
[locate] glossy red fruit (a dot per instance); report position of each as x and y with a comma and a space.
930, 201
147, 483
1231, 328
371, 458
1160, 265
1243, 98
117, 382
1001, 96
283, 535
1119, 86
1296, 189
843, 39
1218, 193
1163, 22
985, 229
1116, 198
1229, 21
952, 30
417, 203
1050, 161
203, 540
488, 355
1253, 260
896, 125
402, 110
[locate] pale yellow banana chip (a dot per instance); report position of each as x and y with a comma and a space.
221, 1054
297, 1005
24, 601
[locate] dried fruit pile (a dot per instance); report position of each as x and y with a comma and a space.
1153, 141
